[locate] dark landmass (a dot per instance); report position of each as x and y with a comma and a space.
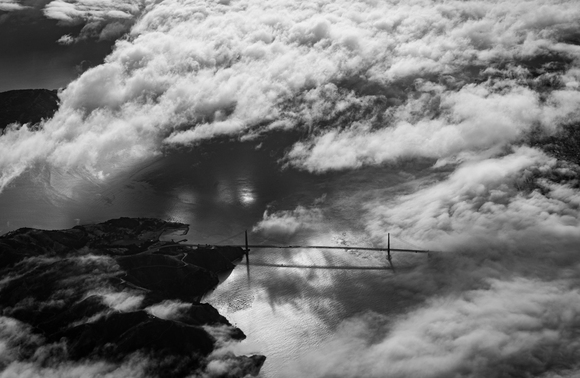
27, 106
563, 145
99, 289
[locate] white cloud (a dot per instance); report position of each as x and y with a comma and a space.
74, 10
66, 39
494, 202
189, 71
131, 368
11, 5
168, 310
13, 334
103, 19
518, 325
120, 301
286, 223
473, 119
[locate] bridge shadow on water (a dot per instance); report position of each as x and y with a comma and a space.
339, 267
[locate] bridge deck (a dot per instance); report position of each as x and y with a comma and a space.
254, 246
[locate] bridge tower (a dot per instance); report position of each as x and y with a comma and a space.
389, 251
247, 250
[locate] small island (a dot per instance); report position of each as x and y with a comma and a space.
115, 292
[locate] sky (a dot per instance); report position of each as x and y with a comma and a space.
465, 85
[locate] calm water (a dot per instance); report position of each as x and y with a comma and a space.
219, 189
222, 189
287, 313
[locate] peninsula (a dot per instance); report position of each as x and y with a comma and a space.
113, 292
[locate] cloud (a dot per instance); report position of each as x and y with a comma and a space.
121, 301
476, 118
66, 39
168, 310
133, 367
521, 325
102, 19
13, 334
522, 196
11, 5
191, 71
70, 11
287, 223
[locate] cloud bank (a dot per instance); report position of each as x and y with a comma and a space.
474, 119
395, 79
520, 327
508, 199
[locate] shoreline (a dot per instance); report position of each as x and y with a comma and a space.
114, 291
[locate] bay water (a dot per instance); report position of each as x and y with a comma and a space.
288, 302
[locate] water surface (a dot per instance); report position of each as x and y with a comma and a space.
221, 189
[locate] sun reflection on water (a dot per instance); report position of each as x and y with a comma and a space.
246, 195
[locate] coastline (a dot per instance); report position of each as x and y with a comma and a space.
114, 292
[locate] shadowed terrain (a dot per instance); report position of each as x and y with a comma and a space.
27, 106
110, 292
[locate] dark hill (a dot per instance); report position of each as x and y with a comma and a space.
113, 293
27, 106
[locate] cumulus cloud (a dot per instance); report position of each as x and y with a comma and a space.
190, 71
287, 223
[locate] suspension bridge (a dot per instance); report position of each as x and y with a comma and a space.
248, 247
